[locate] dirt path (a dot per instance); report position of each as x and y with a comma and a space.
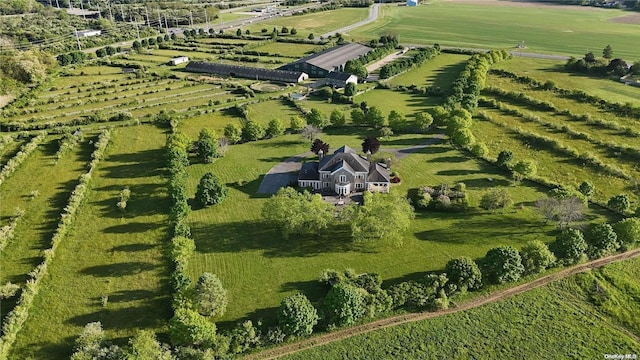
412, 317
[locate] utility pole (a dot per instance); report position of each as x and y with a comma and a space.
77, 39
110, 13
206, 19
147, 14
122, 12
99, 12
82, 8
166, 24
159, 20
191, 17
57, 4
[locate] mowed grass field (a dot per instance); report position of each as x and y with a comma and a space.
109, 253
558, 321
259, 267
440, 71
315, 23
561, 30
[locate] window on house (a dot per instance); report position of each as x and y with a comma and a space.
343, 178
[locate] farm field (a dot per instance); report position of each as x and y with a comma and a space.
531, 322
114, 266
543, 70
315, 23
109, 253
545, 29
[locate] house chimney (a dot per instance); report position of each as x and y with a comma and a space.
388, 163
320, 154
369, 155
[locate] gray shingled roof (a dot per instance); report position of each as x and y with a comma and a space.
244, 71
347, 154
335, 56
309, 171
378, 173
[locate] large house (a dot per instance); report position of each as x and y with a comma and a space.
344, 172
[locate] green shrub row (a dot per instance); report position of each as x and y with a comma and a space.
6, 232
627, 109
14, 163
630, 153
545, 143
14, 321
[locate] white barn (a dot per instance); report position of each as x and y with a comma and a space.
179, 60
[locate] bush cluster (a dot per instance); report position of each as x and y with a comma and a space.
14, 163
398, 66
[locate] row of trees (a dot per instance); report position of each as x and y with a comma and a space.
380, 217
398, 66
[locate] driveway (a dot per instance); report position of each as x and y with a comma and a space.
282, 174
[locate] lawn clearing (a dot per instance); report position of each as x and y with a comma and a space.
266, 111
549, 29
440, 71
289, 49
404, 102
315, 23
108, 253
526, 325
258, 267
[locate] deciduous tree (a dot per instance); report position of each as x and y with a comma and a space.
464, 273
337, 118
345, 304
628, 230
536, 257
210, 296
603, 241
371, 144
207, 145
570, 246
275, 128
296, 315
295, 212
503, 264
210, 190
619, 203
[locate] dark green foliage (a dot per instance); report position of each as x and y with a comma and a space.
296, 315
619, 203
570, 246
337, 118
403, 64
504, 158
350, 89
210, 190
603, 241
295, 212
317, 118
233, 133
345, 304
503, 264
375, 118
253, 131
628, 230
356, 68
496, 199
586, 188
536, 257
464, 273
244, 337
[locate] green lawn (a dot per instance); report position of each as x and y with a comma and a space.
252, 258
404, 102
288, 49
266, 111
440, 71
573, 31
120, 255
558, 321
544, 70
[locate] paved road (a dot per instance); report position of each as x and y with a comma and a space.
373, 15
404, 152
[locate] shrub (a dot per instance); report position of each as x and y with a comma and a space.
628, 230
210, 190
296, 315
344, 304
602, 241
570, 246
464, 273
536, 257
209, 295
503, 264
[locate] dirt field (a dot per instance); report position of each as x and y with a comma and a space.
627, 19
4, 100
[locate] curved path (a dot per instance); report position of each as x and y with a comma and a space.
374, 10
286, 172
412, 317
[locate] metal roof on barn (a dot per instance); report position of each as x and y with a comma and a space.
334, 57
245, 72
